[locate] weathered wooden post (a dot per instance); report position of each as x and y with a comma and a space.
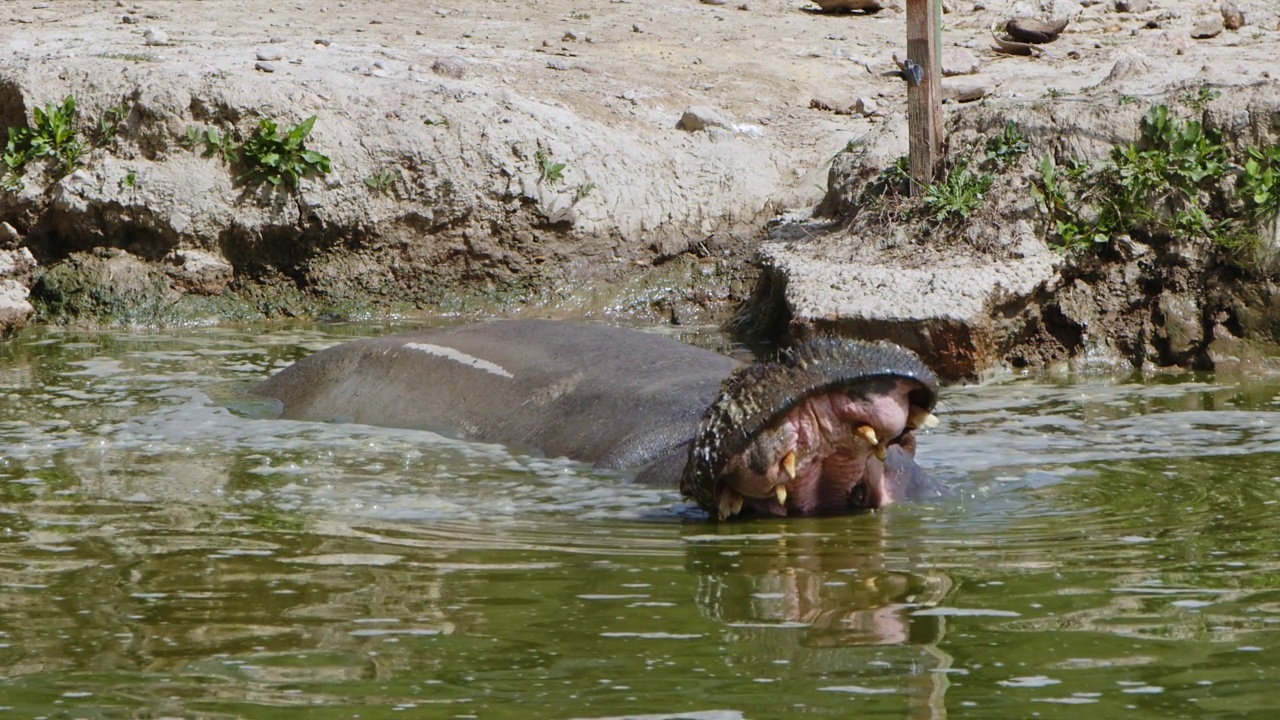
924, 90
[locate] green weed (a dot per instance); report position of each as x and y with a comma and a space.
1260, 182
1006, 148
279, 155
550, 171
582, 190
52, 136
129, 180
109, 123
272, 154
381, 182
131, 57
1200, 99
958, 196
1165, 185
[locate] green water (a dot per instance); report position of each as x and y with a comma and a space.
166, 551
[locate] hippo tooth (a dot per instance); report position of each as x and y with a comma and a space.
781, 493
730, 503
789, 464
918, 417
868, 433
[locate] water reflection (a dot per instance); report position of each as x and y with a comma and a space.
164, 550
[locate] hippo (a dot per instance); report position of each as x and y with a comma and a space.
827, 427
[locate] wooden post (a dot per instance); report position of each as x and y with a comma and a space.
924, 90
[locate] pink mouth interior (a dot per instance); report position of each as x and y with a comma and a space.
836, 469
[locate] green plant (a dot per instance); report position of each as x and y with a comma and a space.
957, 196
381, 181
221, 145
1054, 92
1200, 99
1260, 182
1127, 100
131, 57
1006, 148
278, 155
52, 135
1165, 185
551, 172
129, 180
109, 123
436, 121
893, 180
580, 16
581, 190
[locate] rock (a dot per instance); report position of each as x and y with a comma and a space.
270, 53
866, 106
941, 312
15, 310
958, 61
1133, 6
967, 89
637, 28
8, 235
1210, 27
557, 64
1182, 328
868, 6
129, 20
829, 105
1131, 65
450, 67
17, 264
700, 117
1030, 30
155, 37
1232, 17
266, 67
714, 2
108, 286
199, 272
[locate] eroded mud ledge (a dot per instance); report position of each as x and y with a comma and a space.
444, 134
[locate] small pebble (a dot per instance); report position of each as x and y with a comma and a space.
128, 20
557, 64
270, 53
155, 37
323, 42
637, 28
268, 67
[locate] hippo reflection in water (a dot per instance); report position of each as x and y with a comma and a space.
827, 428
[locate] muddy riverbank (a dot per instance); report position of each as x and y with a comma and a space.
623, 159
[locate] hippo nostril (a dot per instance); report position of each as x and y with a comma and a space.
858, 496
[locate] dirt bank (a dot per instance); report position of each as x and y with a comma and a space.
484, 154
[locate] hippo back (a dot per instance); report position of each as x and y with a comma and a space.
609, 396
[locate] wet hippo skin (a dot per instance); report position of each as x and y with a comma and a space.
828, 428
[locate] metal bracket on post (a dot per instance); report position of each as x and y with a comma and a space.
923, 71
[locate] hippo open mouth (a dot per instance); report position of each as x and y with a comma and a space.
827, 428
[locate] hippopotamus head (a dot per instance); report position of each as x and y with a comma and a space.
826, 428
